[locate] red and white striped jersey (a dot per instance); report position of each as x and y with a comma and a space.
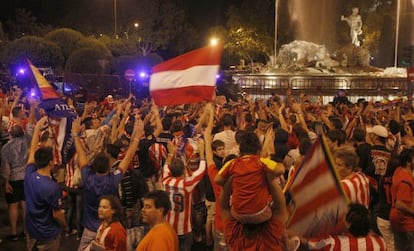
348, 242
179, 190
157, 154
356, 188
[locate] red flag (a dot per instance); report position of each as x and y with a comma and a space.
189, 78
316, 200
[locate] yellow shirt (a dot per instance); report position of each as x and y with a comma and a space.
161, 237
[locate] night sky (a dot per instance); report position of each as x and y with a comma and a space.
202, 13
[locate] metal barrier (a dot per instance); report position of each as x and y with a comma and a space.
98, 84
264, 85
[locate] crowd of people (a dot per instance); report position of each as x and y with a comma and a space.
142, 177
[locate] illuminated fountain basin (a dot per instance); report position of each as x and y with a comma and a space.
320, 73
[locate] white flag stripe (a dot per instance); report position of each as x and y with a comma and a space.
201, 74
318, 157
375, 244
322, 183
344, 243
316, 219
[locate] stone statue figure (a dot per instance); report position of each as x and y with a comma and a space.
355, 25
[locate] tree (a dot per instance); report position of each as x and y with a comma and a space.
86, 60
2, 34
159, 23
40, 51
188, 39
251, 28
67, 39
121, 47
105, 53
120, 64
245, 43
25, 24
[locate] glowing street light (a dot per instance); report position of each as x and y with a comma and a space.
135, 25
214, 41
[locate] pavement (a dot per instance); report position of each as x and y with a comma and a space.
67, 243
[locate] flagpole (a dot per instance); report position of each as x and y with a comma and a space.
397, 31
276, 24
115, 19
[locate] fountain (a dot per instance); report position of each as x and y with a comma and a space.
314, 64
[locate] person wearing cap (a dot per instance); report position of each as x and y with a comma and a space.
381, 179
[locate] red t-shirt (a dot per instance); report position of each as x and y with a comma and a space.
212, 172
250, 188
402, 189
116, 237
269, 237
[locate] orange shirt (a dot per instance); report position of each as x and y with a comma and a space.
160, 237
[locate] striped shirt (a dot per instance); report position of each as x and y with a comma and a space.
348, 242
356, 187
180, 190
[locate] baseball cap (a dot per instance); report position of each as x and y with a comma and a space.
378, 130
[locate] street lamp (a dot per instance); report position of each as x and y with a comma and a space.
397, 31
135, 25
115, 21
276, 24
213, 41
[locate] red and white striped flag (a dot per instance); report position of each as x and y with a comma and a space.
316, 200
189, 78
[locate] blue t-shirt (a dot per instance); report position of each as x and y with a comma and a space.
43, 195
94, 186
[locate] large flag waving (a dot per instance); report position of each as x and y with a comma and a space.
58, 111
316, 200
189, 78
51, 101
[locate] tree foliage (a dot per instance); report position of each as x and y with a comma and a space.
67, 39
122, 63
87, 60
40, 51
159, 22
105, 53
121, 47
251, 28
25, 24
